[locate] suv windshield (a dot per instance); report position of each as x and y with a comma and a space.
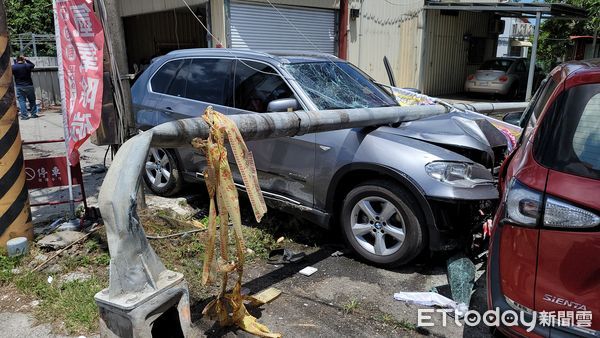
497, 64
338, 85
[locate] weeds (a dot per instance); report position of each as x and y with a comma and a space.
6, 266
72, 302
389, 320
259, 241
351, 306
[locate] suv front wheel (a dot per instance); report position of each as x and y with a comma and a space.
161, 172
381, 222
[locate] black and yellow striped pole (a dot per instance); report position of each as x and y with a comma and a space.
15, 215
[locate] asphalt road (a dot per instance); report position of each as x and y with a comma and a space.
309, 306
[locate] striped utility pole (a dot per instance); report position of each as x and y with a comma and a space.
15, 215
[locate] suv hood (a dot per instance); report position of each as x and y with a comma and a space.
466, 133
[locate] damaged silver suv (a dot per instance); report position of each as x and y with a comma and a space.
394, 190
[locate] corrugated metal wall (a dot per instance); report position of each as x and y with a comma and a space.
154, 34
446, 53
45, 82
386, 28
273, 32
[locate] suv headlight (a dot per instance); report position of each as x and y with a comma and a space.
459, 174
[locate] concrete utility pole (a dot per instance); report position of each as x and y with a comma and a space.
15, 215
139, 281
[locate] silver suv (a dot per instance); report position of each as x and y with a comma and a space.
394, 190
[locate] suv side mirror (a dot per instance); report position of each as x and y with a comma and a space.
282, 105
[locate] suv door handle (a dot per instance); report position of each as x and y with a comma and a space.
169, 108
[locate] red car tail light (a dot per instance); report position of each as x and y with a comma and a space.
560, 214
471, 77
523, 204
524, 207
503, 78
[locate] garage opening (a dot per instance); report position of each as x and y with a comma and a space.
150, 35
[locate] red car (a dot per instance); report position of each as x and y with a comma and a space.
544, 257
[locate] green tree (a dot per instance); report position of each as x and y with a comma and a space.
554, 34
30, 16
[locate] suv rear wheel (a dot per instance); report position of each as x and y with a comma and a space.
381, 222
161, 172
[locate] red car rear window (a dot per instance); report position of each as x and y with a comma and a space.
569, 136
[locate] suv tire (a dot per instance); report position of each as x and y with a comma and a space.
161, 172
382, 223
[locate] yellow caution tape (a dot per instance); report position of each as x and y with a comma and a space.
229, 308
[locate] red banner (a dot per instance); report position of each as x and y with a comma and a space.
80, 40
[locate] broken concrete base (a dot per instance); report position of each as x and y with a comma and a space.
165, 312
59, 240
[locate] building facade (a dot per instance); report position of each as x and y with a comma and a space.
429, 49
514, 40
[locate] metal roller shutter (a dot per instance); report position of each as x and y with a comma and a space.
261, 27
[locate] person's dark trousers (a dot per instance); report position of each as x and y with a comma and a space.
24, 94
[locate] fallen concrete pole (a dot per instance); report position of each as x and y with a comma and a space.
137, 275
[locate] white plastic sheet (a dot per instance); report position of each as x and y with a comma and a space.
431, 299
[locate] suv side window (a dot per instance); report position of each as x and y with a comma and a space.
162, 79
256, 84
179, 82
208, 79
569, 139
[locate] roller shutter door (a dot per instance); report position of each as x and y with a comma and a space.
261, 27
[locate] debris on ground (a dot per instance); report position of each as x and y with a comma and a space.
284, 256
268, 295
307, 271
17, 246
338, 254
430, 299
461, 278
59, 240
75, 276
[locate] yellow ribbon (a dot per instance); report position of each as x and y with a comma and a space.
229, 308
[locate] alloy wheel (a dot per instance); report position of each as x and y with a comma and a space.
377, 226
158, 167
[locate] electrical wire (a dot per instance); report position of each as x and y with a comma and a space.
219, 42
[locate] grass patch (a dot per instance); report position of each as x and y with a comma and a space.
6, 266
71, 303
351, 306
259, 241
389, 320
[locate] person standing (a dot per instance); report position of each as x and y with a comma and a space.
25, 92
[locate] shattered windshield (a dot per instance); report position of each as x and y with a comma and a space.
338, 85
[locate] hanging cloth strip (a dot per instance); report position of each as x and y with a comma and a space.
229, 308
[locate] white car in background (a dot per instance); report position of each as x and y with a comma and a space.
505, 76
